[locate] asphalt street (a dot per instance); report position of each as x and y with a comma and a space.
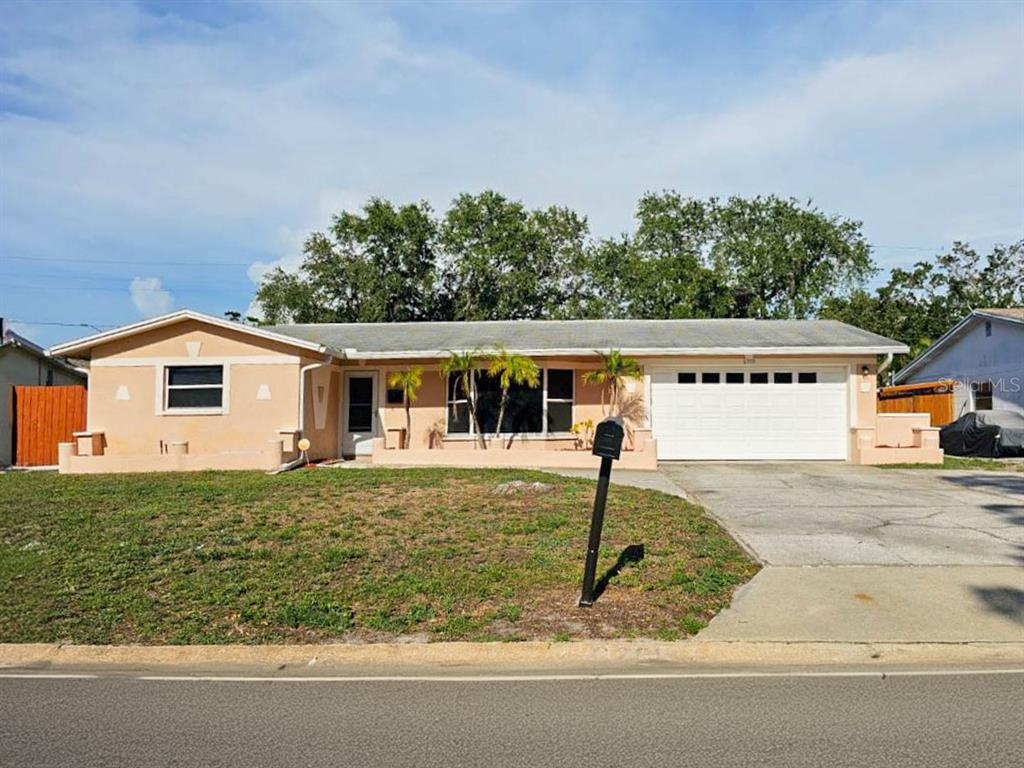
732, 719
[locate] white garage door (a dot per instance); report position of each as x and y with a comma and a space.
761, 413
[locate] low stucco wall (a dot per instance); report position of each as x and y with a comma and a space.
70, 462
897, 438
538, 453
497, 459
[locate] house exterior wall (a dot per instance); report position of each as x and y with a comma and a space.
19, 367
430, 407
126, 389
262, 406
975, 357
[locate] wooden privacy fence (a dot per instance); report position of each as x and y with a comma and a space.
43, 417
935, 398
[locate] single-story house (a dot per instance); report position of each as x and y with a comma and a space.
190, 391
23, 363
984, 355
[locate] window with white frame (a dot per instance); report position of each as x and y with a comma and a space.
542, 409
193, 386
458, 406
560, 391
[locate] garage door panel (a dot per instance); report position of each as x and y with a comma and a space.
799, 420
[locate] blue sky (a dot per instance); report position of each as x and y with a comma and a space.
160, 155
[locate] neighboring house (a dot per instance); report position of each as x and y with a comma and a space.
984, 355
24, 363
189, 391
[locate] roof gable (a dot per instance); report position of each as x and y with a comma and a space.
1010, 315
85, 345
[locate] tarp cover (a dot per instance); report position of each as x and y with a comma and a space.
984, 433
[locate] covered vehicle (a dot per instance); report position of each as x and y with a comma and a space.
984, 433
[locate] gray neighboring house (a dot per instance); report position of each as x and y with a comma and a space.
984, 354
23, 363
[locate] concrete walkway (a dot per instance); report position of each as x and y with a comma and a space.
860, 554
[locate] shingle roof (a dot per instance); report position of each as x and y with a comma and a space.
1014, 313
432, 339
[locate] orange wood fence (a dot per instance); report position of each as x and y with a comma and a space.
43, 417
933, 397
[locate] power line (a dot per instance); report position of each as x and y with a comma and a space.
135, 262
112, 279
63, 325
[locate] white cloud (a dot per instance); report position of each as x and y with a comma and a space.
149, 297
194, 137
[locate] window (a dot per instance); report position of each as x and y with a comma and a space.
458, 406
560, 396
760, 377
524, 412
360, 403
710, 378
686, 378
735, 377
49, 377
783, 377
983, 395
194, 386
396, 396
807, 377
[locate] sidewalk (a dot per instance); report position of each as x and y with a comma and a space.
895, 604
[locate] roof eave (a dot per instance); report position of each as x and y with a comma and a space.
87, 343
906, 371
355, 354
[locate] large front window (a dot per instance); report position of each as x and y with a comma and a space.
194, 386
526, 408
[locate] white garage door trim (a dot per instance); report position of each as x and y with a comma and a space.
751, 419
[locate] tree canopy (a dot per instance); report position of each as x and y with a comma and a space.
491, 258
918, 305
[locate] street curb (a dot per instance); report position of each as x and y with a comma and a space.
526, 655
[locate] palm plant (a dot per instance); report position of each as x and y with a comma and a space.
615, 370
509, 369
409, 382
463, 365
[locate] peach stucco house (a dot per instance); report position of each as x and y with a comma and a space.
190, 391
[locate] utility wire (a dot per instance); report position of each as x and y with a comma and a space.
130, 262
63, 325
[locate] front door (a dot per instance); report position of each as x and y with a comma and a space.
360, 408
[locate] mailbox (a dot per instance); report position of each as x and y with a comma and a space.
608, 438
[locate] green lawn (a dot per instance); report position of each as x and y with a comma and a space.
959, 462
366, 555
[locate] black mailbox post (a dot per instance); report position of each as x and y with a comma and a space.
608, 445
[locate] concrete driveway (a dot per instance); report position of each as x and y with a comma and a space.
860, 554
823, 513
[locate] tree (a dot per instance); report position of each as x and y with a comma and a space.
493, 258
919, 305
236, 317
409, 382
464, 366
503, 261
376, 267
744, 257
509, 369
613, 374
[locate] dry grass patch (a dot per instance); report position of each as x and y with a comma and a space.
346, 555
